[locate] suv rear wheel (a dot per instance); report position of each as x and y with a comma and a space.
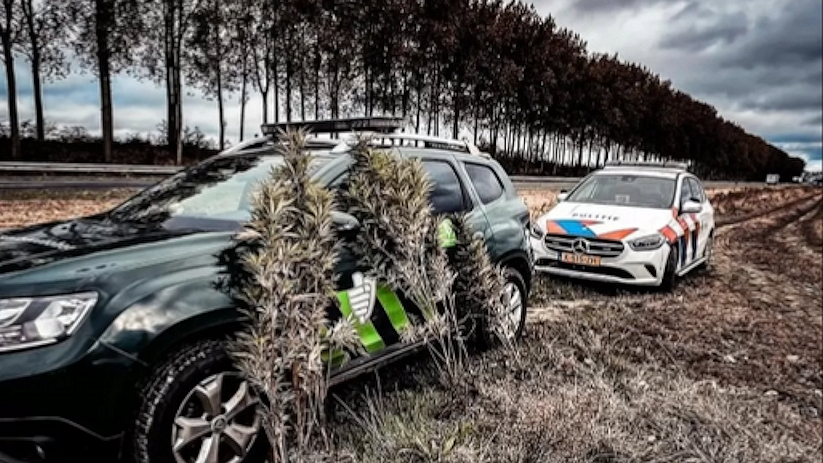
515, 298
196, 408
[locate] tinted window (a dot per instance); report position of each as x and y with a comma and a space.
625, 190
485, 181
685, 191
697, 190
447, 195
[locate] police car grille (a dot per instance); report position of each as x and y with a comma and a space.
597, 247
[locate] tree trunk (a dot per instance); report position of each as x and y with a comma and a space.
318, 60
11, 95
276, 91
28, 13
103, 19
220, 112
243, 93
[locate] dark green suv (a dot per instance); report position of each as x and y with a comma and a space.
112, 326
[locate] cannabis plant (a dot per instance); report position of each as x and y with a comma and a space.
398, 243
281, 272
479, 287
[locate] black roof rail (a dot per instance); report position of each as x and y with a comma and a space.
354, 124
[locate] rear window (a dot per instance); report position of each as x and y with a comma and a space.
447, 194
485, 181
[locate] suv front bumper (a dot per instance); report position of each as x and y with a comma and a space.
56, 408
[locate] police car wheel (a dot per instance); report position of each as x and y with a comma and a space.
669, 274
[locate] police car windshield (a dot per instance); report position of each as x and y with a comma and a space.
625, 190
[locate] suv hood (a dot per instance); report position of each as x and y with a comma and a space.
601, 221
91, 248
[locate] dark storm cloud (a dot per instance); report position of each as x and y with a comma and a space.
597, 6
725, 30
787, 36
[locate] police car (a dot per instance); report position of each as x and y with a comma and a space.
631, 223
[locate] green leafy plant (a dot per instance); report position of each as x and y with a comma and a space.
281, 272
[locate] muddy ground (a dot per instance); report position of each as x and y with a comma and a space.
727, 367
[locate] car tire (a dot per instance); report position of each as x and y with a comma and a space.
670, 272
708, 251
515, 288
167, 394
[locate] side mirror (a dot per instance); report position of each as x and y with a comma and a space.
345, 224
562, 195
691, 207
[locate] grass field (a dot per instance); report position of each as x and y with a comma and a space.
728, 367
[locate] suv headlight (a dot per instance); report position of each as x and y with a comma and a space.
648, 243
535, 231
36, 321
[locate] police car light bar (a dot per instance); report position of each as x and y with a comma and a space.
648, 164
355, 124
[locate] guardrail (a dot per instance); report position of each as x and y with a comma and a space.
79, 169
86, 168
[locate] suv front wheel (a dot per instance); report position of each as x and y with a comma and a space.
196, 408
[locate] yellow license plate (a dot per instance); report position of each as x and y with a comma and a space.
580, 259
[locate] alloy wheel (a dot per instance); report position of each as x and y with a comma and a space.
217, 421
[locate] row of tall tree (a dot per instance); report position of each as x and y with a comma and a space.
527, 88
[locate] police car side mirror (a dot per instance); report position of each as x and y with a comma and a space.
691, 207
562, 195
345, 225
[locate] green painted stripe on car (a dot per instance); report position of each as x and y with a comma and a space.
393, 307
446, 234
368, 333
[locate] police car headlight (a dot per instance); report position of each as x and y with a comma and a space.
36, 321
535, 231
648, 243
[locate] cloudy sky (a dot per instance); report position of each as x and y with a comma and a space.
757, 61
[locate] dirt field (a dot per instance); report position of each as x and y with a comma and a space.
728, 367
725, 368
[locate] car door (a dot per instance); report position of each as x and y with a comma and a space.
379, 315
450, 195
688, 240
705, 219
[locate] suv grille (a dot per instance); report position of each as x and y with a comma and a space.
591, 246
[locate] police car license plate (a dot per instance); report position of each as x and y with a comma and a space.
580, 259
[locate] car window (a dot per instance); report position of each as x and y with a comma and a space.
447, 194
625, 190
697, 190
685, 191
485, 181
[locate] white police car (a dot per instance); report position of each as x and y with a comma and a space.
632, 223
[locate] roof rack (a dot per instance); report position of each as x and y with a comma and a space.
354, 124
429, 142
648, 164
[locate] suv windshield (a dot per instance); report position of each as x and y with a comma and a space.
625, 190
218, 190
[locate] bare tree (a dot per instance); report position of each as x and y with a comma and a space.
212, 54
169, 26
105, 36
9, 35
43, 45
